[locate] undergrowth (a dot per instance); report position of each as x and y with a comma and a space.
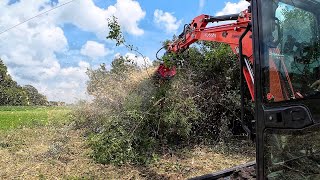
134, 117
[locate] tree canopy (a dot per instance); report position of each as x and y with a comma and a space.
12, 94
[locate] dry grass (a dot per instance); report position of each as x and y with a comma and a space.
49, 153
202, 160
61, 153
55, 152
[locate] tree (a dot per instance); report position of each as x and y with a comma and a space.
10, 92
105, 84
34, 97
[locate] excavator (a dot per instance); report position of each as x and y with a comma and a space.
278, 45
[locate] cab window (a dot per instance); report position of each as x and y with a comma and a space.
292, 68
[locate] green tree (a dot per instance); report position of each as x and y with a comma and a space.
10, 92
131, 120
34, 97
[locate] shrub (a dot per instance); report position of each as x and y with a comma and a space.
133, 117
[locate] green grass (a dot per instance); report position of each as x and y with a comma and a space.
12, 117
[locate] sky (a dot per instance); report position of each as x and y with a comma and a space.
52, 52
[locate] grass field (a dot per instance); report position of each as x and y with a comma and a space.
49, 147
49, 152
24, 116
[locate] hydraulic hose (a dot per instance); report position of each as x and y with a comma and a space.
159, 51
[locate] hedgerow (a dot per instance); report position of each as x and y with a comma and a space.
134, 117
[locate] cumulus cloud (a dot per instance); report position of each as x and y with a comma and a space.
94, 50
30, 50
89, 17
233, 8
129, 13
166, 20
138, 60
69, 86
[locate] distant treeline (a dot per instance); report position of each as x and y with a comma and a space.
12, 94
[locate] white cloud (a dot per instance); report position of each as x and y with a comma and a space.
166, 20
233, 8
30, 50
117, 55
84, 65
94, 50
69, 86
230, 8
89, 17
129, 13
140, 61
201, 4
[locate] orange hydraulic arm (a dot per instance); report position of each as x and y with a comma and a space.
226, 33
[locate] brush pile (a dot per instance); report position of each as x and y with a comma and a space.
135, 117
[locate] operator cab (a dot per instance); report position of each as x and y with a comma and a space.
287, 65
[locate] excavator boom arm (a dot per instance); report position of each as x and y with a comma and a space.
227, 32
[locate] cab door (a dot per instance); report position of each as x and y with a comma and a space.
287, 88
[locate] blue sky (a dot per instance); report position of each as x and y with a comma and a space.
150, 41
52, 52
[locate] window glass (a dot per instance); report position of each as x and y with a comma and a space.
291, 37
292, 154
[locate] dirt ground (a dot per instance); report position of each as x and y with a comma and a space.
62, 153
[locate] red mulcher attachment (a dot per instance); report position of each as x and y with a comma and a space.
166, 72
